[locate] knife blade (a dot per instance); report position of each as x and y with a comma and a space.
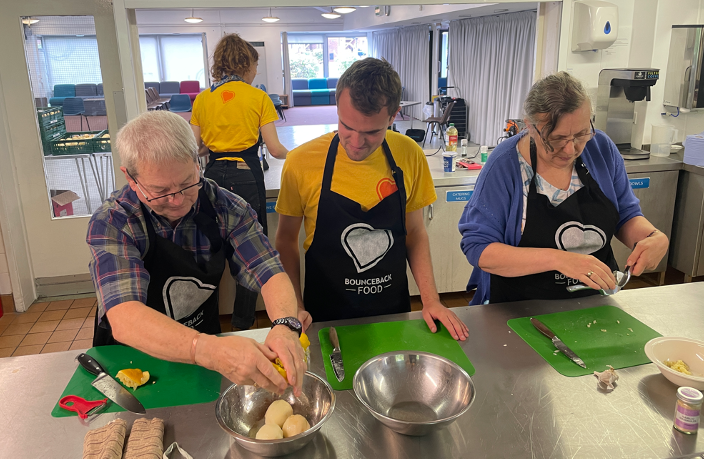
336, 357
562, 347
109, 387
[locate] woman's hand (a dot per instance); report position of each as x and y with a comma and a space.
647, 253
585, 268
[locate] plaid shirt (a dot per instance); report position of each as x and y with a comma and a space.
117, 237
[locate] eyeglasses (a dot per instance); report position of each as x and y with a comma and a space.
578, 140
196, 185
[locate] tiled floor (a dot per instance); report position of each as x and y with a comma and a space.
68, 324
48, 327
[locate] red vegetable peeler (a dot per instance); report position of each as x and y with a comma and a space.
83, 407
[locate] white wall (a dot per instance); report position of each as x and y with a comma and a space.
5, 287
643, 41
248, 24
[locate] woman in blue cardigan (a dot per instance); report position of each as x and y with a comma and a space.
548, 202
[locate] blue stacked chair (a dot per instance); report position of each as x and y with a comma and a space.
180, 103
74, 106
278, 105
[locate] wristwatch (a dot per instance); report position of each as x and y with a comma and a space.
291, 322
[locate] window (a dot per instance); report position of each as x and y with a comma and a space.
71, 59
172, 57
322, 56
443, 53
343, 51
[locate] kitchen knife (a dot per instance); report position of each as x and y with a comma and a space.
562, 347
336, 357
109, 387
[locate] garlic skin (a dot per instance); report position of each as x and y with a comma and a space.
606, 378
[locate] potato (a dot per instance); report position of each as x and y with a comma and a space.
294, 425
269, 432
278, 412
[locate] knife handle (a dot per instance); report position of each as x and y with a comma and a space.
90, 364
334, 340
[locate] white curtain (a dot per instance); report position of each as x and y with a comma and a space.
287, 69
407, 50
491, 67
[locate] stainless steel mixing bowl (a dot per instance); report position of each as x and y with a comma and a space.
240, 412
413, 393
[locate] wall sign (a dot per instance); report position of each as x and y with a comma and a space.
640, 182
458, 196
270, 207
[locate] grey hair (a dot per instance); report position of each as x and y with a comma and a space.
156, 137
552, 97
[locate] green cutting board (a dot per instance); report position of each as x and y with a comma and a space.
170, 383
360, 343
600, 336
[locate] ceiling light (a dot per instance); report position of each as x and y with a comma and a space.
270, 18
330, 15
192, 19
344, 9
29, 21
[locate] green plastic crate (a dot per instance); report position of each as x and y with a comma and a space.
48, 139
50, 131
101, 144
49, 115
68, 146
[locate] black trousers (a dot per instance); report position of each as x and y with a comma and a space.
242, 183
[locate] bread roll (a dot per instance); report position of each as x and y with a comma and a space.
278, 412
269, 432
295, 425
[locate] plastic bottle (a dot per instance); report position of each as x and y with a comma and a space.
452, 138
484, 153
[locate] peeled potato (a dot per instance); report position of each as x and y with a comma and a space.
295, 425
269, 432
278, 412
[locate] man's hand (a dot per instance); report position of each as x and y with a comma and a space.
433, 310
304, 318
284, 342
241, 360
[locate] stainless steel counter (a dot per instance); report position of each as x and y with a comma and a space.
462, 177
523, 407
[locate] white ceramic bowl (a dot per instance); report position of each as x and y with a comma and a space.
691, 351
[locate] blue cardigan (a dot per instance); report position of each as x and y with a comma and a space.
495, 210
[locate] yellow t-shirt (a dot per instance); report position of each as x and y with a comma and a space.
230, 117
366, 182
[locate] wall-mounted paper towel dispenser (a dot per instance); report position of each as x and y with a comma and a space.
594, 25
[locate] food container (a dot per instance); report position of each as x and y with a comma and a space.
240, 410
412, 392
688, 350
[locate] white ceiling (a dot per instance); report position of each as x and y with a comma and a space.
362, 19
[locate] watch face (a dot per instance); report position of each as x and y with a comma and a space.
295, 322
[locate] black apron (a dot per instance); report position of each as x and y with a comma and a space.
179, 287
585, 222
356, 264
249, 185
251, 158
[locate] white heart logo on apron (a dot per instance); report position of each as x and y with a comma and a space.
365, 245
578, 238
184, 295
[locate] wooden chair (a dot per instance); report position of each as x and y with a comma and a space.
439, 121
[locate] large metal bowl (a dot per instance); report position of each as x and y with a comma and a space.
240, 412
413, 393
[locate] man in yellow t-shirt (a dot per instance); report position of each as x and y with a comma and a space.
360, 194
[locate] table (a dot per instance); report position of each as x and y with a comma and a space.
523, 407
408, 103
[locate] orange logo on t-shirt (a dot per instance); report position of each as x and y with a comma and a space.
227, 96
385, 188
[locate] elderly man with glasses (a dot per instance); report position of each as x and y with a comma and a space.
548, 203
160, 246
